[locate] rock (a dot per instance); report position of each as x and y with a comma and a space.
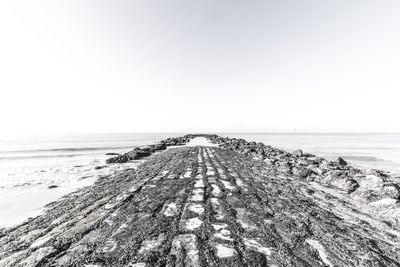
301, 172
298, 153
112, 154
161, 146
52, 186
137, 153
340, 161
118, 159
145, 149
340, 180
99, 167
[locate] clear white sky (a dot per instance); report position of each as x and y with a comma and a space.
190, 66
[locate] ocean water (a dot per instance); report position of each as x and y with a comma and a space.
63, 158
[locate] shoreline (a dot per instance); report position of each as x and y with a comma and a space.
326, 196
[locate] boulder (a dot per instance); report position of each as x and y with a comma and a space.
340, 180
301, 172
137, 154
340, 161
118, 159
99, 167
161, 146
298, 153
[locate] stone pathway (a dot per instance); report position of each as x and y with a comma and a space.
200, 206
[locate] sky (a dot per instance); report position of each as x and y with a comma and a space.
199, 66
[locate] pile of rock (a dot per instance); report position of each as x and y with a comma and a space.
368, 185
141, 152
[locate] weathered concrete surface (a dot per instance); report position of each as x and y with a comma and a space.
203, 207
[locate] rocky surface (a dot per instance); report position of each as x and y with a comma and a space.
244, 204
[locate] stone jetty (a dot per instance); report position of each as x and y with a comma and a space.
239, 204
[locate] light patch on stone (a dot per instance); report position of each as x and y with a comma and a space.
210, 172
199, 184
224, 234
40, 241
219, 226
121, 228
198, 195
122, 197
37, 256
228, 185
109, 222
171, 210
56, 221
110, 206
384, 202
110, 246
321, 250
171, 176
244, 220
134, 188
149, 186
216, 191
188, 173
217, 208
255, 245
139, 264
212, 180
151, 244
185, 246
196, 208
193, 223
224, 251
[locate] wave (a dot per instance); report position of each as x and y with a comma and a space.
71, 149
363, 158
40, 156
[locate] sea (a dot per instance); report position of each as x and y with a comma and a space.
37, 169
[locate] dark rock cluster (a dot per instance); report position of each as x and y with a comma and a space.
369, 185
141, 152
